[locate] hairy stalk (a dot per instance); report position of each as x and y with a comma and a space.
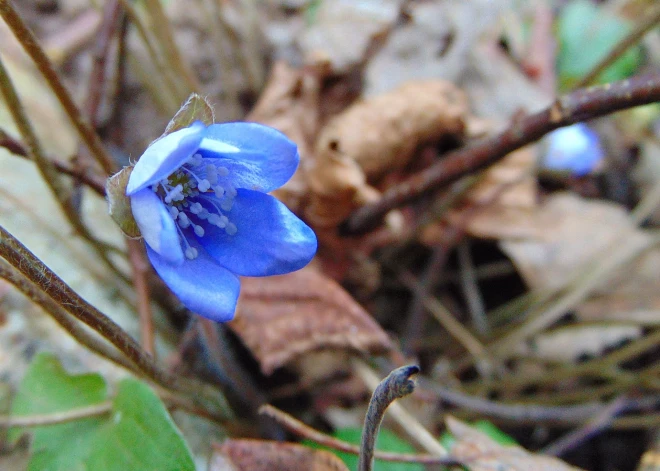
38, 273
397, 385
62, 317
172, 95
47, 169
413, 428
163, 30
139, 267
34, 50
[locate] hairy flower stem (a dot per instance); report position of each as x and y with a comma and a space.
62, 317
39, 274
397, 385
46, 168
35, 51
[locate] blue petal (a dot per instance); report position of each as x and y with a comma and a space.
202, 285
157, 226
270, 240
164, 156
574, 148
267, 158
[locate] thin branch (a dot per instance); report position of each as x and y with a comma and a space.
18, 149
35, 51
397, 385
295, 426
62, 317
38, 273
55, 418
648, 22
599, 423
577, 106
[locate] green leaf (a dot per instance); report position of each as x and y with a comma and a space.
196, 108
587, 33
387, 441
137, 434
140, 434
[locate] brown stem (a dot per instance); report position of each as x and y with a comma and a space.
397, 385
577, 106
304, 431
139, 267
55, 418
61, 316
18, 148
35, 51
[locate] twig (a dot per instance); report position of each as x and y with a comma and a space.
577, 106
397, 385
31, 46
62, 317
163, 30
413, 428
471, 290
447, 320
600, 422
304, 431
38, 273
139, 268
648, 22
18, 148
534, 413
55, 418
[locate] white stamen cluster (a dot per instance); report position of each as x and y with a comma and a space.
184, 191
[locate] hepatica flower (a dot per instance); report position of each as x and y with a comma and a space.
199, 197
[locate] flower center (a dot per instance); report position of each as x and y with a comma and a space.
197, 194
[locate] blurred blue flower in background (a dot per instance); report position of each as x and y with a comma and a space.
575, 149
199, 197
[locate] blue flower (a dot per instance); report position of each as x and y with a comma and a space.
575, 149
199, 198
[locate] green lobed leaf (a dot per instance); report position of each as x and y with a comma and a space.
138, 434
196, 108
386, 441
448, 440
586, 35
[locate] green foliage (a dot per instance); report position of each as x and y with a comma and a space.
387, 441
586, 34
137, 434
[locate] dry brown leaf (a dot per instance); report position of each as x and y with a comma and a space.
375, 137
290, 104
280, 318
481, 453
262, 455
506, 199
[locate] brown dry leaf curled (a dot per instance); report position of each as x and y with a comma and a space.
481, 453
262, 455
375, 137
280, 318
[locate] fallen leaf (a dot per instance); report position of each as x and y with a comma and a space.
479, 452
375, 137
505, 199
280, 318
262, 455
